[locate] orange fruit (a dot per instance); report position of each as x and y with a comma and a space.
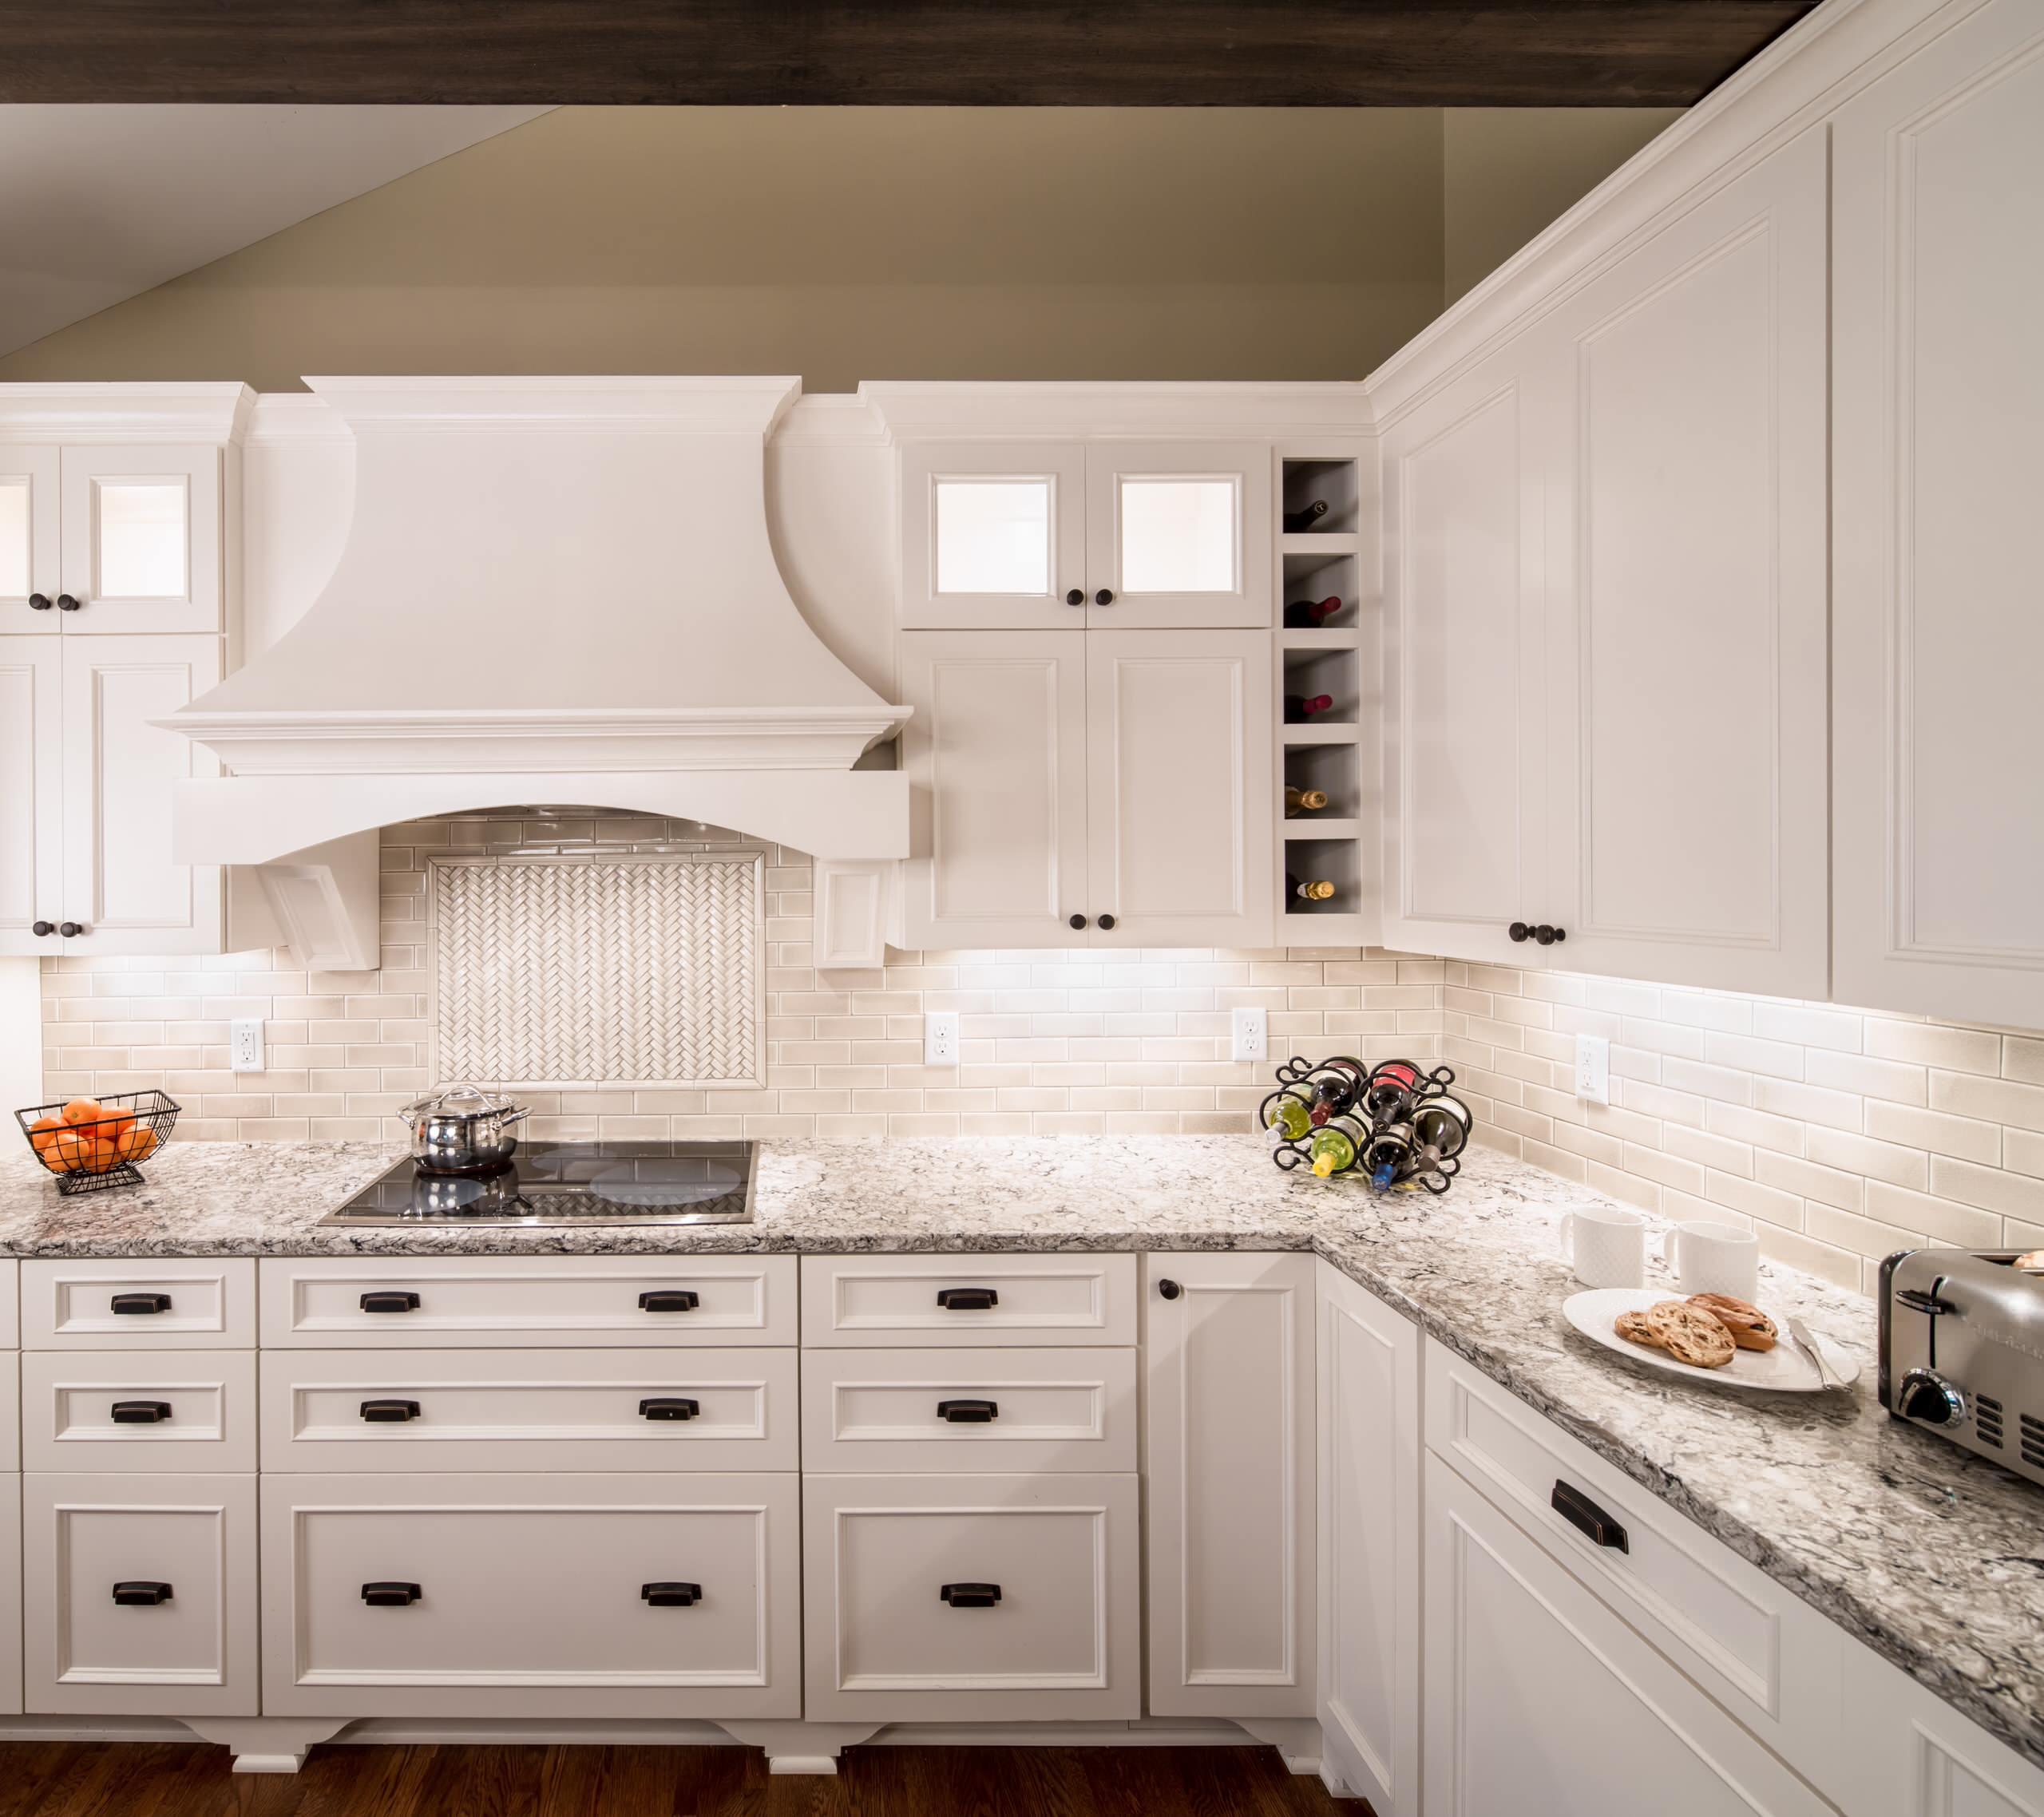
117, 1124
97, 1157
83, 1110
135, 1143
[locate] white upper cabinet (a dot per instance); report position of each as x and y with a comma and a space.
1938, 430
1049, 535
31, 561
31, 795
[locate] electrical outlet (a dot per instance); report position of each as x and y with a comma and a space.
1248, 1036
1593, 1068
941, 1038
245, 1044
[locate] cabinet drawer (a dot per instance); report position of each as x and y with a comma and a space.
185, 1410
1042, 1620
182, 1551
934, 1410
146, 1303
499, 1410
1765, 1655
938, 1300
525, 1301
529, 1596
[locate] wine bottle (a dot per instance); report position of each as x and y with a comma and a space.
1288, 1116
1387, 1154
1334, 1092
1318, 890
1306, 614
1442, 1124
1306, 520
1303, 801
1300, 706
1388, 1095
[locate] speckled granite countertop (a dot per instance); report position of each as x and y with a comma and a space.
1933, 1558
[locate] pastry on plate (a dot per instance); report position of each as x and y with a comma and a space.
1686, 1334
1751, 1328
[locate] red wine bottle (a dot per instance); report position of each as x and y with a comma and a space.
1306, 520
1298, 706
1309, 615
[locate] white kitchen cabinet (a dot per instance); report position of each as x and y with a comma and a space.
1937, 246
1044, 536
1370, 1505
1119, 780
10, 1597
1228, 1440
31, 793
130, 1411
1908, 1753
31, 559
142, 539
1539, 1700
139, 1302
941, 1302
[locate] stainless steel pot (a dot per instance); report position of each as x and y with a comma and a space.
463, 1129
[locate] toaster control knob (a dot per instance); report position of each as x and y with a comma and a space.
1929, 1397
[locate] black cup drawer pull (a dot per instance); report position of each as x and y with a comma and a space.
968, 1412
971, 1596
669, 1407
1579, 1511
390, 1596
136, 1595
669, 1299
390, 1300
671, 1596
968, 1299
140, 1412
136, 1303
389, 1412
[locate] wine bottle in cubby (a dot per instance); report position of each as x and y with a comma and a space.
1303, 801
1307, 890
1310, 614
1299, 707
1307, 519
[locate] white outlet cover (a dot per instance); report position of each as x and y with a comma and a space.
245, 1044
1593, 1069
1249, 1034
941, 1038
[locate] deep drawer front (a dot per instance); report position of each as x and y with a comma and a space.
957, 1301
1762, 1653
524, 1301
973, 1599
489, 1595
200, 1304
981, 1410
139, 1596
679, 1408
173, 1410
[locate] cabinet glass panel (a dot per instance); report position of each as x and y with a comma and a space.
1179, 535
13, 538
140, 539
993, 536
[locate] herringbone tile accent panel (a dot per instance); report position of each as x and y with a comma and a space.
616, 970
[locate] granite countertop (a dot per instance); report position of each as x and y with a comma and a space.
1932, 1556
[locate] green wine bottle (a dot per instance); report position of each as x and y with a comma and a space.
1288, 1116
1333, 1150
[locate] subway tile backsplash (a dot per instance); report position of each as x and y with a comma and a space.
1838, 1135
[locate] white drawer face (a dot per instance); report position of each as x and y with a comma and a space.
952, 1301
140, 1597
971, 1598
10, 1303
178, 1410
11, 1402
511, 1595
203, 1304
521, 1301
680, 1408
977, 1409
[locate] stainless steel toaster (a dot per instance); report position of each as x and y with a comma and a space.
1962, 1351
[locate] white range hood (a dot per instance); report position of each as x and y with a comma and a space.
553, 590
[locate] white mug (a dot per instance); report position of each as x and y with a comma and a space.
1606, 1245
1714, 1258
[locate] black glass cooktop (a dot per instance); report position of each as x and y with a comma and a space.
571, 1183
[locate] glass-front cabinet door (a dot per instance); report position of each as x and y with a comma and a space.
31, 562
993, 537
141, 539
1178, 534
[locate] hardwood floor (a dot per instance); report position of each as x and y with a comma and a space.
131, 1780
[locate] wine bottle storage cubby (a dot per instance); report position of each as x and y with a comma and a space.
1335, 770
1338, 861
1335, 481
1312, 673
1311, 574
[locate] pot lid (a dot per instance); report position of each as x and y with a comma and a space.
460, 1101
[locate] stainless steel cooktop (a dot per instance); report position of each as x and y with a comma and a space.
568, 1184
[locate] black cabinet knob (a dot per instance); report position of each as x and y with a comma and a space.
40, 602
391, 1595
66, 604
668, 1299
139, 1594
43, 930
968, 1299
140, 1412
1582, 1513
1075, 597
140, 1302
1079, 920
389, 1412
1519, 931
1107, 921
1168, 1290
390, 1300
970, 1596
968, 1412
671, 1596
668, 1407
1103, 598
70, 930
1543, 935
1560, 934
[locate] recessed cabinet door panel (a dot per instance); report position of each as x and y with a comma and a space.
1687, 598
993, 537
1178, 781
1178, 533
142, 539
120, 774
997, 757
31, 562
31, 793
1938, 439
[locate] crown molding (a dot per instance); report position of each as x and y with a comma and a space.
967, 411
174, 411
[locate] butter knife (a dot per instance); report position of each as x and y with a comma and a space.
1827, 1377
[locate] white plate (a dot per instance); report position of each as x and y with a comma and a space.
1782, 1370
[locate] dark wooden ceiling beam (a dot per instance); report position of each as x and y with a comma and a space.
885, 53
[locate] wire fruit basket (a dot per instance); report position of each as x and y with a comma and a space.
93, 1143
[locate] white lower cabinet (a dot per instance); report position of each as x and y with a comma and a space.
188, 1411
10, 1597
971, 1598
139, 1594
541, 1595
1909, 1754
